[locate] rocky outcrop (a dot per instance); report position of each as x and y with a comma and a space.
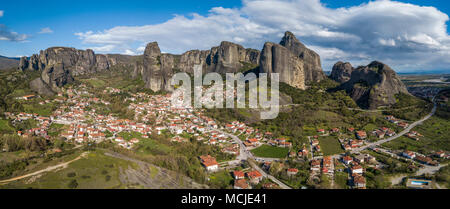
278, 59
370, 86
226, 58
311, 60
296, 64
59, 64
157, 68
341, 72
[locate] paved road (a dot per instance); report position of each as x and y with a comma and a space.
62, 165
408, 129
244, 154
426, 169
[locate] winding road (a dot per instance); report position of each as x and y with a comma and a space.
244, 154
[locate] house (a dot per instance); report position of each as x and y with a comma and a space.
315, 165
292, 154
360, 159
408, 154
28, 97
359, 181
357, 169
209, 162
241, 184
292, 171
238, 175
303, 152
347, 159
439, 154
424, 160
254, 176
361, 134
315, 142
322, 131
380, 134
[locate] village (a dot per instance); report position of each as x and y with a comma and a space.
76, 110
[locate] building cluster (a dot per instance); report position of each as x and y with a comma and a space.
245, 180
396, 121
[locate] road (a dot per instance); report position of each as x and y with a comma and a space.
51, 168
244, 154
426, 169
405, 131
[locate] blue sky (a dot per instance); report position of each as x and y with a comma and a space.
404, 34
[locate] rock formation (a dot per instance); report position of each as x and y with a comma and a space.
311, 60
158, 68
341, 72
278, 59
58, 64
370, 86
296, 64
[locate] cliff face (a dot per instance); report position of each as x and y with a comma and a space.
226, 58
311, 60
59, 64
296, 64
158, 68
278, 59
370, 86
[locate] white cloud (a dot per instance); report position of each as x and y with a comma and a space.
129, 52
46, 30
405, 36
1, 13
8, 35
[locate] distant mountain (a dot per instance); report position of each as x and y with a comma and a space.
6, 62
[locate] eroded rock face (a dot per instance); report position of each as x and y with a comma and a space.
296, 64
159, 68
341, 72
56, 76
59, 64
278, 59
311, 60
153, 75
226, 58
373, 85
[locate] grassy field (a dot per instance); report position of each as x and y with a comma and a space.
95, 171
42, 110
270, 151
330, 145
145, 145
5, 127
436, 132
96, 83
220, 179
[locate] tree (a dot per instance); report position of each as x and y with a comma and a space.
73, 184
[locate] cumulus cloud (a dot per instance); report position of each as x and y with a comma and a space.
46, 30
8, 35
406, 36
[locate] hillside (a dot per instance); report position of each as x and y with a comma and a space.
7, 63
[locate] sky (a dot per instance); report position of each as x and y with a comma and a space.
409, 35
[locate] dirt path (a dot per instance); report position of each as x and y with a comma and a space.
62, 165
